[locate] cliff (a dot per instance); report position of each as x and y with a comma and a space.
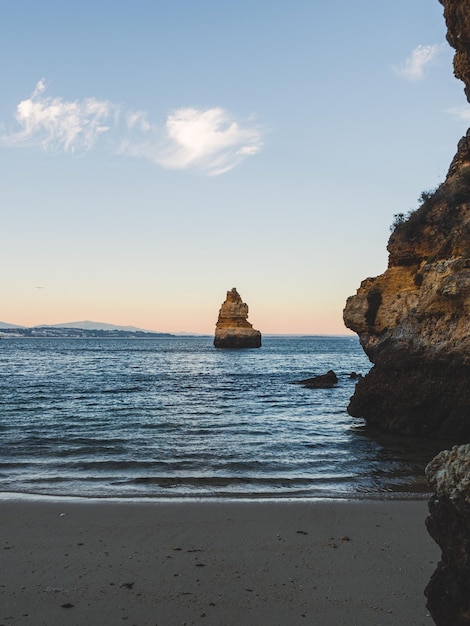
448, 591
233, 330
413, 320
448, 523
457, 17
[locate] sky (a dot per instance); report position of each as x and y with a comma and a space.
156, 153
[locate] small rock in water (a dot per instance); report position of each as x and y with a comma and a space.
355, 375
324, 381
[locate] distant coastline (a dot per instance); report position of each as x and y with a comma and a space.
48, 332
77, 333
88, 329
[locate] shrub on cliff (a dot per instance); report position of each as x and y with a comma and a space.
408, 224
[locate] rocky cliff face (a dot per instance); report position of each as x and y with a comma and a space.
448, 591
448, 474
233, 330
413, 320
457, 16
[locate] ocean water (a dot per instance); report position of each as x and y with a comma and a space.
174, 417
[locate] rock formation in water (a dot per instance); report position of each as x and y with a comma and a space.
233, 330
323, 381
413, 320
448, 523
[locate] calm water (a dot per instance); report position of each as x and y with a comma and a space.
175, 417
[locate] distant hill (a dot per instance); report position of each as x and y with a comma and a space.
77, 329
5, 325
88, 325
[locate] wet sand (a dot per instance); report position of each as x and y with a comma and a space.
250, 563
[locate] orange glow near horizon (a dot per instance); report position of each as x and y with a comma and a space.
178, 312
177, 323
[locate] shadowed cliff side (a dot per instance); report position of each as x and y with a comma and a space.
448, 591
413, 320
448, 523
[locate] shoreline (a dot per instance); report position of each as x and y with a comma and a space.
10, 496
389, 496
264, 562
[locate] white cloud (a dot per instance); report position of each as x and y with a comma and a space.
420, 58
138, 120
208, 140
59, 124
461, 113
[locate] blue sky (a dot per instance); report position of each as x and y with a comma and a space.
156, 154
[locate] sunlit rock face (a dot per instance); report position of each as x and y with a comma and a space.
448, 523
233, 330
413, 320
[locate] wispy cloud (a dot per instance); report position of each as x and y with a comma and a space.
414, 67
461, 113
57, 124
209, 140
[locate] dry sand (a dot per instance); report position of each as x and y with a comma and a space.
250, 563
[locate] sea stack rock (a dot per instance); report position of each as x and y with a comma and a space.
448, 523
233, 330
413, 320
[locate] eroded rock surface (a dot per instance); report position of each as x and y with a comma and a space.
457, 16
448, 591
413, 320
233, 330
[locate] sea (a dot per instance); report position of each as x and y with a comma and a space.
173, 417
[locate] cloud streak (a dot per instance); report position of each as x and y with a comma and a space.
461, 113
208, 140
414, 67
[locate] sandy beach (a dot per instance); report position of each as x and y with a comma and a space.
298, 562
